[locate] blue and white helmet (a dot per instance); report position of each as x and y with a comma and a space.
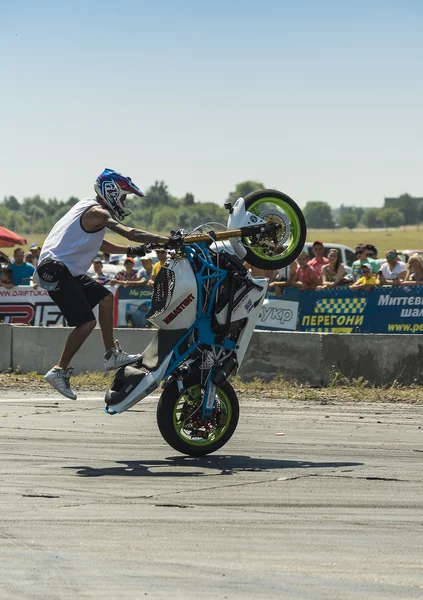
111, 186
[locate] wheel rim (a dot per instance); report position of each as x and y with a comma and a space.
276, 210
184, 425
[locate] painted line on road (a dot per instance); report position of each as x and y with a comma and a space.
54, 400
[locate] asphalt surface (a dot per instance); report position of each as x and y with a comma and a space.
94, 506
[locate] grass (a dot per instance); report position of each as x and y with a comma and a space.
400, 239
340, 389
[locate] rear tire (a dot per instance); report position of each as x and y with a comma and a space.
275, 206
179, 418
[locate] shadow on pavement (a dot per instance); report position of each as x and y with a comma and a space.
197, 466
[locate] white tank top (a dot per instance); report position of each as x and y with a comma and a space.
70, 243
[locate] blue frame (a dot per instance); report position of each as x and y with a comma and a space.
202, 322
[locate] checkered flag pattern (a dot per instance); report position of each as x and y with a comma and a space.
340, 306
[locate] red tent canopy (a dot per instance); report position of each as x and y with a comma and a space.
9, 239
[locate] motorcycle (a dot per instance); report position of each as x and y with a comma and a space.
205, 305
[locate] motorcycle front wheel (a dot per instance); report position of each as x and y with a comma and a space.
180, 423
274, 252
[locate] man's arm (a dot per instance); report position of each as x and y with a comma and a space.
95, 218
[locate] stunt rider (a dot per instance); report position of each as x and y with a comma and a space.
67, 254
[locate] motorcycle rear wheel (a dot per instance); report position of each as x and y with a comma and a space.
277, 207
179, 418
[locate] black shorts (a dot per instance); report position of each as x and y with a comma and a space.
77, 296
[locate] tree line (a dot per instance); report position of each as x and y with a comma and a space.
158, 211
404, 210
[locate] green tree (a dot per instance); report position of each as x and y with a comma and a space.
244, 188
318, 215
371, 218
11, 203
391, 217
348, 219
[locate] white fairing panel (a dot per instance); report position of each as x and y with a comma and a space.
250, 307
182, 309
240, 217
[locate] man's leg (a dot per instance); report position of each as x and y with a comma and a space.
75, 340
105, 318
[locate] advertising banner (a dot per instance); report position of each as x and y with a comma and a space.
133, 303
23, 304
383, 310
339, 310
279, 312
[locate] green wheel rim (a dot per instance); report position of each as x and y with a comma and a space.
295, 228
195, 398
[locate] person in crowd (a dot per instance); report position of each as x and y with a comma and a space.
361, 254
371, 251
305, 277
35, 250
319, 260
66, 256
99, 276
106, 258
414, 275
284, 278
128, 277
162, 257
146, 271
334, 272
30, 258
6, 278
393, 271
22, 271
367, 281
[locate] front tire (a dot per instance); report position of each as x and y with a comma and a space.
276, 207
179, 418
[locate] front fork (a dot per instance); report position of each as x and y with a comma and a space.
209, 395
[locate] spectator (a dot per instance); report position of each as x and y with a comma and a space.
305, 277
106, 258
99, 276
367, 281
361, 253
372, 251
162, 256
284, 278
35, 250
128, 276
334, 272
6, 278
393, 271
30, 258
146, 271
22, 271
414, 274
319, 261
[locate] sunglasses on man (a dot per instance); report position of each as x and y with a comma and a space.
359, 251
365, 271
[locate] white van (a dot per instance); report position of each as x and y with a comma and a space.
347, 254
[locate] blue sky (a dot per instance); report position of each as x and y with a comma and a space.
322, 100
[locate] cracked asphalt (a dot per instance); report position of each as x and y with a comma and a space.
94, 506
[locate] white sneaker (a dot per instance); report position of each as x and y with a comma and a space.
59, 379
116, 358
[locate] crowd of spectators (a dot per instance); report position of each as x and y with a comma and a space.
320, 272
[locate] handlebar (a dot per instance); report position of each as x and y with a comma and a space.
179, 239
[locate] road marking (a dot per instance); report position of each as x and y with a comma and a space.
60, 400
